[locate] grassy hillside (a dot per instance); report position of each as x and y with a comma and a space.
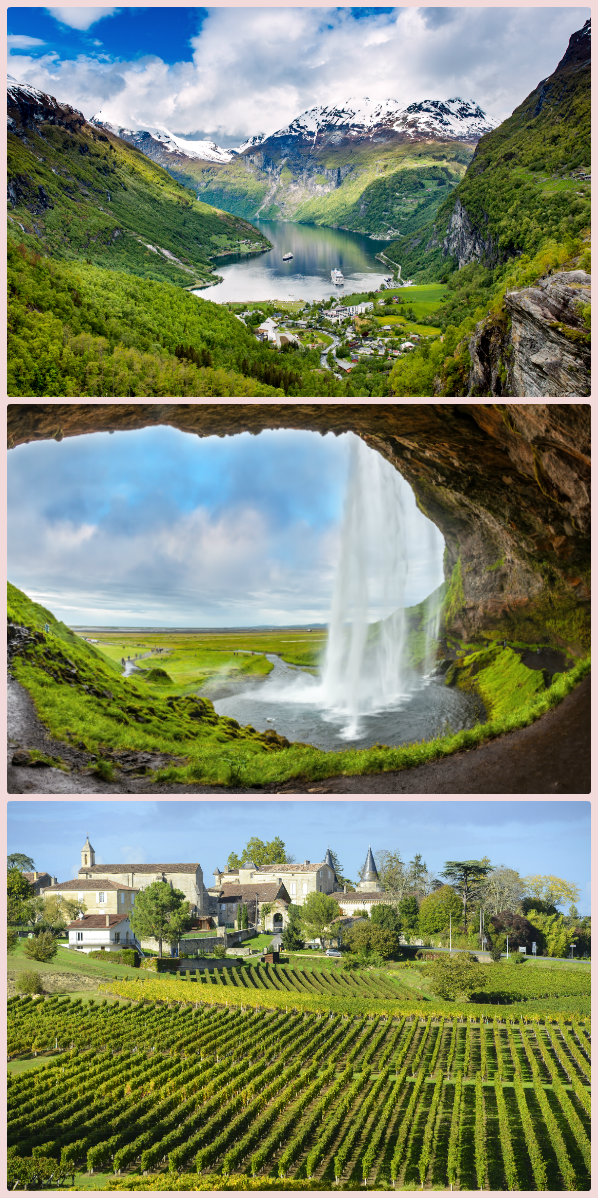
79, 192
85, 702
78, 329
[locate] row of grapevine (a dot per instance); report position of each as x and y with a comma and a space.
318, 1095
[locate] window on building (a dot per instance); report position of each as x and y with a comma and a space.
304, 888
78, 937
293, 889
101, 897
117, 937
80, 896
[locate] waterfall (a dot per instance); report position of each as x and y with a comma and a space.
363, 669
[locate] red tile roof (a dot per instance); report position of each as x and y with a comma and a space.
79, 885
142, 868
249, 891
97, 921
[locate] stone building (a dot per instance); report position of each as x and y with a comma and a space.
298, 879
39, 880
187, 877
267, 903
99, 895
368, 892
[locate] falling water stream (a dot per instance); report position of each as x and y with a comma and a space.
366, 690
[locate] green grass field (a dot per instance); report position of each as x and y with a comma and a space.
193, 660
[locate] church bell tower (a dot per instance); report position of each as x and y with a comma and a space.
88, 854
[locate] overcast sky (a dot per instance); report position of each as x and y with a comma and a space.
544, 837
230, 72
159, 527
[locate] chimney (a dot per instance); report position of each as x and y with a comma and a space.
107, 920
307, 862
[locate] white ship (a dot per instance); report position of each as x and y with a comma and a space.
287, 256
336, 276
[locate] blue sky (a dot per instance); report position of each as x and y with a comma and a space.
533, 837
160, 527
226, 72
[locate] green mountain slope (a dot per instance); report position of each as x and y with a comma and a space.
76, 329
521, 215
528, 181
75, 191
367, 187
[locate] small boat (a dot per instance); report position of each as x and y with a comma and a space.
287, 256
336, 276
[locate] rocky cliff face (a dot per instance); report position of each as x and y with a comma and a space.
543, 349
466, 242
508, 485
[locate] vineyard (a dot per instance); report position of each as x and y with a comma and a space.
299, 1099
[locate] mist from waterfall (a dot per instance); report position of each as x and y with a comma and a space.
364, 666
376, 682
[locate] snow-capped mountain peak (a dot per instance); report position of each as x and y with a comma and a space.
455, 118
172, 143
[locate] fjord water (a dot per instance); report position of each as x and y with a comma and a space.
316, 250
366, 691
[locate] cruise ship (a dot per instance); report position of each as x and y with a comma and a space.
336, 276
287, 256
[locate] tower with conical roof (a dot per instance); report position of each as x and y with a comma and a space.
369, 878
88, 854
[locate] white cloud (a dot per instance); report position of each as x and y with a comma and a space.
80, 18
21, 41
256, 69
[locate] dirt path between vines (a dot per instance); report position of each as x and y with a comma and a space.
552, 756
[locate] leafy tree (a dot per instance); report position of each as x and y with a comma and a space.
384, 942
408, 913
436, 910
551, 889
457, 976
339, 871
19, 892
55, 912
263, 854
160, 912
243, 917
503, 890
42, 947
385, 916
291, 938
29, 983
317, 915
520, 931
418, 876
393, 875
367, 940
467, 876
11, 940
22, 862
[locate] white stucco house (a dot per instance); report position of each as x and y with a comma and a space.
100, 931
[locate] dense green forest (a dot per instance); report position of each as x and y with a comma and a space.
527, 192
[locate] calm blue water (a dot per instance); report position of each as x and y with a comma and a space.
316, 249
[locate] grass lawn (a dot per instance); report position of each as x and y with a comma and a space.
260, 942
69, 962
404, 323
192, 660
23, 1066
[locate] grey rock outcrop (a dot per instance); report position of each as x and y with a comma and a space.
542, 349
465, 242
550, 346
